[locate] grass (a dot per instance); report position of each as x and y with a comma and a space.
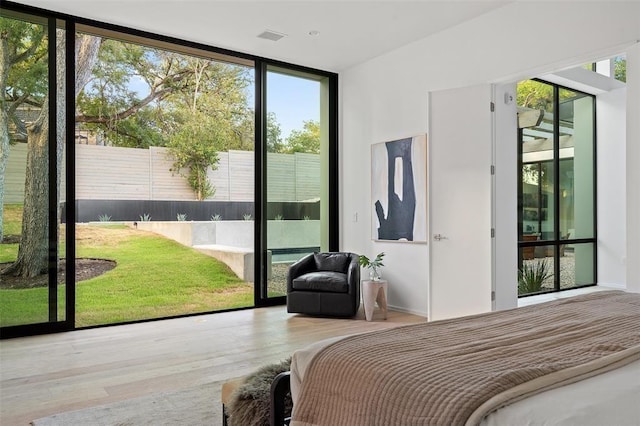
12, 219
155, 277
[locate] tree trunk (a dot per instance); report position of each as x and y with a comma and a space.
4, 159
4, 124
32, 252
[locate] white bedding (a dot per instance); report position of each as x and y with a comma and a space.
610, 399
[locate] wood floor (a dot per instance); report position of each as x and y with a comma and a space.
44, 375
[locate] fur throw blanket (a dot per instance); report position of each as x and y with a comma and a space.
251, 402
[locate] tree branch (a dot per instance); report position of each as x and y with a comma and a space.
27, 53
155, 94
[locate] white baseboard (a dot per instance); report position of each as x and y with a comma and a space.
615, 286
407, 311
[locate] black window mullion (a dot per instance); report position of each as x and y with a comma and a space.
334, 209
70, 174
556, 187
53, 169
260, 149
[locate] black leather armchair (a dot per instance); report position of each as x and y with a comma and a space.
324, 284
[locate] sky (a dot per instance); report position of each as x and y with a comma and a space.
293, 100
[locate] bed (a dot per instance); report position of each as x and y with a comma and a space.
571, 361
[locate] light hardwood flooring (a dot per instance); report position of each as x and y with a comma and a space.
44, 375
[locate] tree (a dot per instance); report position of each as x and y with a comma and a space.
274, 134
620, 68
33, 250
535, 95
305, 140
123, 100
22, 80
194, 149
211, 113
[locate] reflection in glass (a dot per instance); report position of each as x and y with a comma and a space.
536, 123
577, 181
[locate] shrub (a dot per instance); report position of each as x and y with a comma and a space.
532, 276
182, 217
104, 218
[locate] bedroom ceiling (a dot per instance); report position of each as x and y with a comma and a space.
348, 32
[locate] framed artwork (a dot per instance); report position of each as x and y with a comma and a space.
399, 190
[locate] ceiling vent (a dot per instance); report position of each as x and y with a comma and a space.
271, 35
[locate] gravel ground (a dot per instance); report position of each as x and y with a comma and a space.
278, 281
567, 270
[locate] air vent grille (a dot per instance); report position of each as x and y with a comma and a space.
271, 35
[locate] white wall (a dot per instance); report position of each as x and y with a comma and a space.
386, 98
611, 189
505, 197
633, 171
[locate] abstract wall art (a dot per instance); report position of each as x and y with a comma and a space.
399, 190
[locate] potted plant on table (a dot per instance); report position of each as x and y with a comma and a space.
374, 265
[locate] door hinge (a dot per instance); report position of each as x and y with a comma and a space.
493, 106
493, 296
493, 232
493, 169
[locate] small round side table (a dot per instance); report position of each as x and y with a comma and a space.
372, 292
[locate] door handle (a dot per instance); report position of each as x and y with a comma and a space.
439, 237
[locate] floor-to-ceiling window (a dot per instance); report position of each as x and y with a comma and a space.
164, 163
169, 197
32, 76
556, 191
297, 163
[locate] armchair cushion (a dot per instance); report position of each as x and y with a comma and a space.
335, 262
325, 281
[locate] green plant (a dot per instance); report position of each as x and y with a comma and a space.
306, 218
104, 218
181, 217
279, 217
145, 217
532, 276
247, 216
372, 264
216, 217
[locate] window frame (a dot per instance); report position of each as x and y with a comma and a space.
72, 24
556, 242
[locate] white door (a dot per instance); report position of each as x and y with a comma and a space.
459, 189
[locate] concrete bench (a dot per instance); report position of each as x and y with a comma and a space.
239, 259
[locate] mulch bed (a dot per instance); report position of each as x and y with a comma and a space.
85, 269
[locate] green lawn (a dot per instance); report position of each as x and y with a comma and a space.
154, 277
12, 219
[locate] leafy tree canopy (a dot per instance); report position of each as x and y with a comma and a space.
306, 140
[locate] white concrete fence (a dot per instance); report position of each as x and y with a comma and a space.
114, 173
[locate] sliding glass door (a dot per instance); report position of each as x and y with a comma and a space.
32, 129
164, 163
297, 197
178, 179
